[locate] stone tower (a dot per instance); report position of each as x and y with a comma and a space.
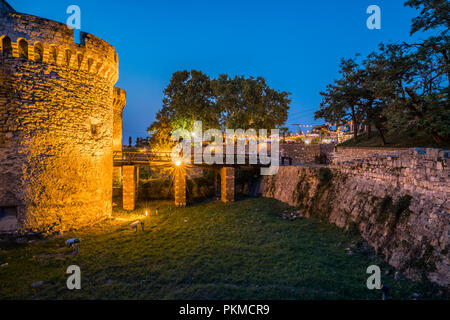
60, 120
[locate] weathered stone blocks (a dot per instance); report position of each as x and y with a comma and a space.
58, 107
404, 217
180, 186
129, 187
227, 184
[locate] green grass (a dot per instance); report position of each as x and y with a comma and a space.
242, 250
397, 140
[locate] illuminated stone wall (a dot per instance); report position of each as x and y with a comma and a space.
179, 181
129, 187
398, 203
227, 183
59, 114
119, 102
342, 154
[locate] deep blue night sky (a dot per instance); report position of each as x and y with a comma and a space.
295, 45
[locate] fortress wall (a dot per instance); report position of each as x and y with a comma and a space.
57, 120
342, 154
93, 54
119, 102
399, 204
307, 153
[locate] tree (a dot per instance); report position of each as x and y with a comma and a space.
433, 14
236, 103
400, 85
345, 100
187, 98
250, 103
411, 85
284, 132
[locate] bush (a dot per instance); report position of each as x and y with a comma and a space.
155, 189
200, 188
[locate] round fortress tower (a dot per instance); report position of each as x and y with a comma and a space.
59, 123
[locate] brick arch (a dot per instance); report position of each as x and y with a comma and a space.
80, 59
38, 51
22, 48
67, 57
6, 45
64, 55
53, 54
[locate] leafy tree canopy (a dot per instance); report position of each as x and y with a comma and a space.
400, 86
433, 14
220, 103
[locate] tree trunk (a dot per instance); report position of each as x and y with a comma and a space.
355, 133
380, 131
438, 138
355, 125
369, 130
444, 54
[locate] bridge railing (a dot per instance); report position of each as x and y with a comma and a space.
147, 157
141, 157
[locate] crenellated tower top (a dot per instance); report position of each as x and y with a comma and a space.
120, 99
47, 41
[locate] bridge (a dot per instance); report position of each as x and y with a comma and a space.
130, 162
157, 158
144, 158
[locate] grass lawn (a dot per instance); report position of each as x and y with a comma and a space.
397, 140
242, 250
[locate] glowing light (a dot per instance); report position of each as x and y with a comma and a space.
178, 163
146, 213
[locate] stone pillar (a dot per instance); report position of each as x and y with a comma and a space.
180, 187
117, 176
119, 102
227, 184
129, 187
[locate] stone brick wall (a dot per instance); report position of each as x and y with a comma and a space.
94, 55
342, 154
179, 186
399, 204
227, 184
129, 187
306, 153
119, 102
56, 123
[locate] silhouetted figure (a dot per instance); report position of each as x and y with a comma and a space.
130, 141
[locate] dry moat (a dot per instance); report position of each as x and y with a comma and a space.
212, 250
